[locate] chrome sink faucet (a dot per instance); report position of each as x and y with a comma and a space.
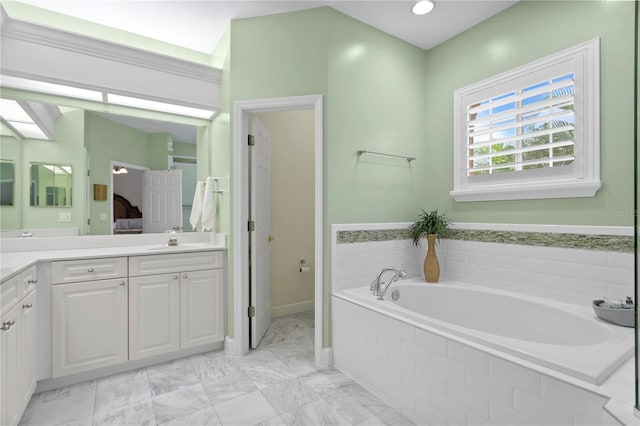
376, 285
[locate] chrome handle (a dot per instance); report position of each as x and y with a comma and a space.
27, 306
33, 281
185, 276
90, 270
175, 277
123, 283
7, 325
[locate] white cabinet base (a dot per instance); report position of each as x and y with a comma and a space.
89, 328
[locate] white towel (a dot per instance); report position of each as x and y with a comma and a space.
209, 204
196, 207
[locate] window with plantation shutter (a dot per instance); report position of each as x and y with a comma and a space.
532, 132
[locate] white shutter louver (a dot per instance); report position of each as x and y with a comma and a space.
527, 128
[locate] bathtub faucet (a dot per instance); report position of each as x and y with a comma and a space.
376, 285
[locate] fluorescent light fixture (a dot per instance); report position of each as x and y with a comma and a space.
422, 7
50, 88
15, 116
159, 106
28, 130
11, 110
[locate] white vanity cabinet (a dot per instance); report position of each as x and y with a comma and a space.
175, 302
154, 315
18, 339
89, 318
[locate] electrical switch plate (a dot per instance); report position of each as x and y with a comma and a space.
103, 216
64, 217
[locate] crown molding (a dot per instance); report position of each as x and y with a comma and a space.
78, 43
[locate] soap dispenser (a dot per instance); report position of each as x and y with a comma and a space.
173, 240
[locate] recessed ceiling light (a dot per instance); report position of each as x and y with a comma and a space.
422, 7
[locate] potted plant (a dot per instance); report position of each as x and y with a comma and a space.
433, 225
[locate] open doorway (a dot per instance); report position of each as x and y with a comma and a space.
282, 205
243, 112
126, 198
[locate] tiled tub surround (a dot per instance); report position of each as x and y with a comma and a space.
436, 378
563, 337
374, 351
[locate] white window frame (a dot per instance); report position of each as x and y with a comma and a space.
582, 178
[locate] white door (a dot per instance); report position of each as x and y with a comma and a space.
162, 200
201, 305
261, 237
10, 380
154, 303
89, 325
29, 337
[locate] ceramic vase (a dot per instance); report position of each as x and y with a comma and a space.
431, 265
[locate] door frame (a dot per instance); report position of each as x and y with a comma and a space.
239, 344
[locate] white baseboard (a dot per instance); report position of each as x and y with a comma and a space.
231, 346
325, 360
292, 308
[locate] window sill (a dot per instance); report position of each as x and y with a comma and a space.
528, 191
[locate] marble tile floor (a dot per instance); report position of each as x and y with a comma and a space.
276, 384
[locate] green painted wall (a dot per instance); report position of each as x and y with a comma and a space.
372, 86
108, 141
181, 149
66, 149
221, 159
159, 148
11, 216
520, 34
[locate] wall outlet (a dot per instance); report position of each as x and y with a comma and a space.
103, 217
64, 217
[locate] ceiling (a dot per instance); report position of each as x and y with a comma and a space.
199, 25
179, 132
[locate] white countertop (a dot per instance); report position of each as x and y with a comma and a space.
13, 262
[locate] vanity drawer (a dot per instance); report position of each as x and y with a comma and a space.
70, 271
175, 262
10, 294
28, 280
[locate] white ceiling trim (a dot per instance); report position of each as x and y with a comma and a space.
20, 30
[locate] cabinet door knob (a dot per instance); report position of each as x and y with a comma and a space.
90, 270
123, 283
185, 276
27, 306
175, 277
33, 281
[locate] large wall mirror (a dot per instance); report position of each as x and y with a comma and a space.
7, 182
50, 185
76, 179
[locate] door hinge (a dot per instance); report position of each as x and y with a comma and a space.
252, 311
251, 140
251, 226
88, 221
88, 172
